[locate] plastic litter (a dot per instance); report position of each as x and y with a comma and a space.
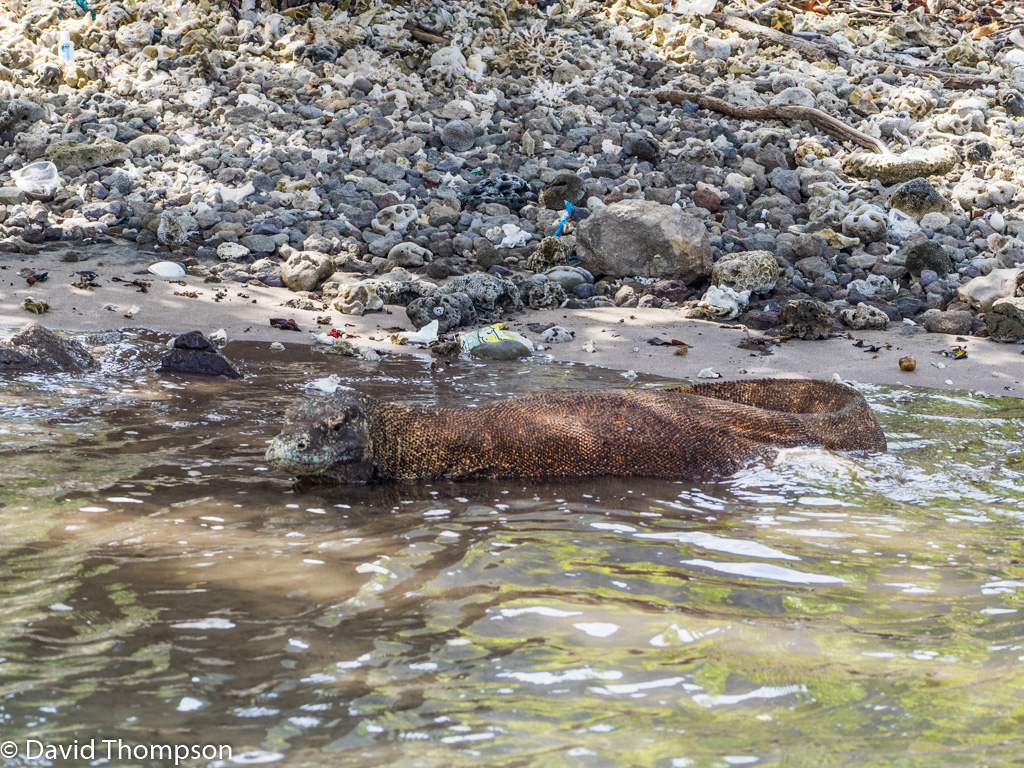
709, 373
39, 178
565, 218
424, 335
66, 49
166, 269
495, 332
328, 385
699, 7
219, 337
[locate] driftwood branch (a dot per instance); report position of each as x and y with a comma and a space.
784, 112
825, 48
426, 37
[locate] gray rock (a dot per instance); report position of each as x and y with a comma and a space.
11, 196
639, 146
928, 255
505, 349
259, 243
864, 318
101, 152
806, 319
565, 187
812, 267
175, 227
458, 135
1005, 321
956, 323
644, 238
544, 295
194, 353
37, 349
451, 310
149, 144
569, 277
19, 114
305, 270
488, 292
410, 255
918, 197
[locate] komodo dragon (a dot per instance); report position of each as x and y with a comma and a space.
699, 432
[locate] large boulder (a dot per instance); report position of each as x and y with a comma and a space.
644, 239
38, 349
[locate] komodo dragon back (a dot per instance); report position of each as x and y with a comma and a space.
705, 431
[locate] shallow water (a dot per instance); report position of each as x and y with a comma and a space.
159, 585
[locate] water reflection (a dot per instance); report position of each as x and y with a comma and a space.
159, 582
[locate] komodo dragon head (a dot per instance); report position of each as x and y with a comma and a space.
327, 437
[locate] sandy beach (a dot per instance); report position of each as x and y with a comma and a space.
620, 335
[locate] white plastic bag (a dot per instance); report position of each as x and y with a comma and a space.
39, 178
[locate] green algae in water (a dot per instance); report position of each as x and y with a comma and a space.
822, 610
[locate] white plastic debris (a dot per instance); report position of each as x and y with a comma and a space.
40, 178
65, 49
698, 7
721, 302
424, 335
237, 195
902, 225
167, 269
629, 375
133, 311
219, 337
590, 346
277, 346
328, 385
708, 373
323, 338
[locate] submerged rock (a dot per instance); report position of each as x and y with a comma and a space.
195, 353
37, 349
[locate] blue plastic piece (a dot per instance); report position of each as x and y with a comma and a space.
565, 218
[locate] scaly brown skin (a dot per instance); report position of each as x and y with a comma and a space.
700, 432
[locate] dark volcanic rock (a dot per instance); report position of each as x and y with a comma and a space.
506, 189
194, 353
37, 349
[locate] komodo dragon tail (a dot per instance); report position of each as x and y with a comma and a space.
834, 415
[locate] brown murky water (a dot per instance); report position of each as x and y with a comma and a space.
161, 587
